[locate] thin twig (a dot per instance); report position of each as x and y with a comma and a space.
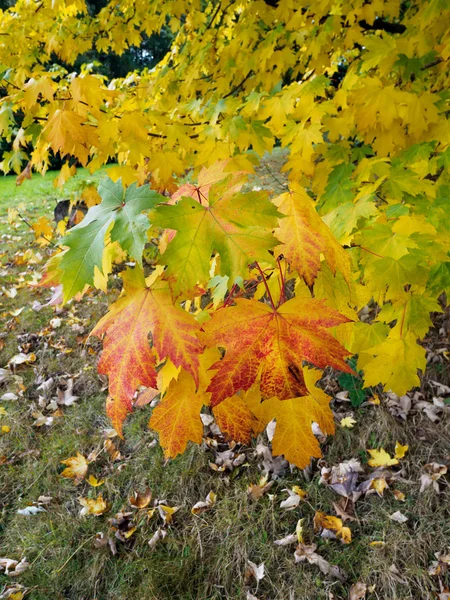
31, 227
282, 185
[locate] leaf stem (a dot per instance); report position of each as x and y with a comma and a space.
283, 283
266, 285
230, 295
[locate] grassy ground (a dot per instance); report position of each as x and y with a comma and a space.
205, 556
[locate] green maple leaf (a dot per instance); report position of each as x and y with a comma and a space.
120, 212
344, 219
339, 187
226, 225
85, 252
439, 279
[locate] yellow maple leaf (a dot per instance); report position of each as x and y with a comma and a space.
400, 450
348, 422
381, 458
379, 484
43, 231
76, 467
323, 521
93, 506
94, 481
294, 417
304, 237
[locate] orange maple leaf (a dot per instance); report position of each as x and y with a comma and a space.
117, 411
127, 357
234, 419
304, 237
177, 416
272, 343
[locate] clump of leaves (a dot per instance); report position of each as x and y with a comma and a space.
364, 217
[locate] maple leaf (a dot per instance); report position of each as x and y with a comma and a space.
76, 467
381, 458
43, 231
294, 417
127, 357
234, 419
400, 450
117, 410
119, 213
68, 132
93, 506
177, 417
393, 362
304, 237
226, 224
272, 343
348, 422
323, 521
208, 177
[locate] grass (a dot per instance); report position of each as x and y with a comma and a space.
203, 557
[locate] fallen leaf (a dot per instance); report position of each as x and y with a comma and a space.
257, 491
209, 502
296, 494
65, 397
93, 506
379, 484
308, 553
9, 397
380, 458
30, 511
255, 571
287, 541
400, 450
357, 591
398, 495
139, 500
167, 512
398, 517
348, 422
159, 534
21, 359
76, 467
13, 567
299, 531
433, 472
334, 524
94, 482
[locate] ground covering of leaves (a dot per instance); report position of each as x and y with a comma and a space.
84, 515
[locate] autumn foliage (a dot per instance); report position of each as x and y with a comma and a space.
246, 293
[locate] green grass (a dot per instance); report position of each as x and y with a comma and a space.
203, 557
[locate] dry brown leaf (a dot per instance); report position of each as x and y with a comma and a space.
256, 491
139, 500
308, 553
159, 534
357, 591
398, 517
208, 503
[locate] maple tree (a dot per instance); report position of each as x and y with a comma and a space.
243, 287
